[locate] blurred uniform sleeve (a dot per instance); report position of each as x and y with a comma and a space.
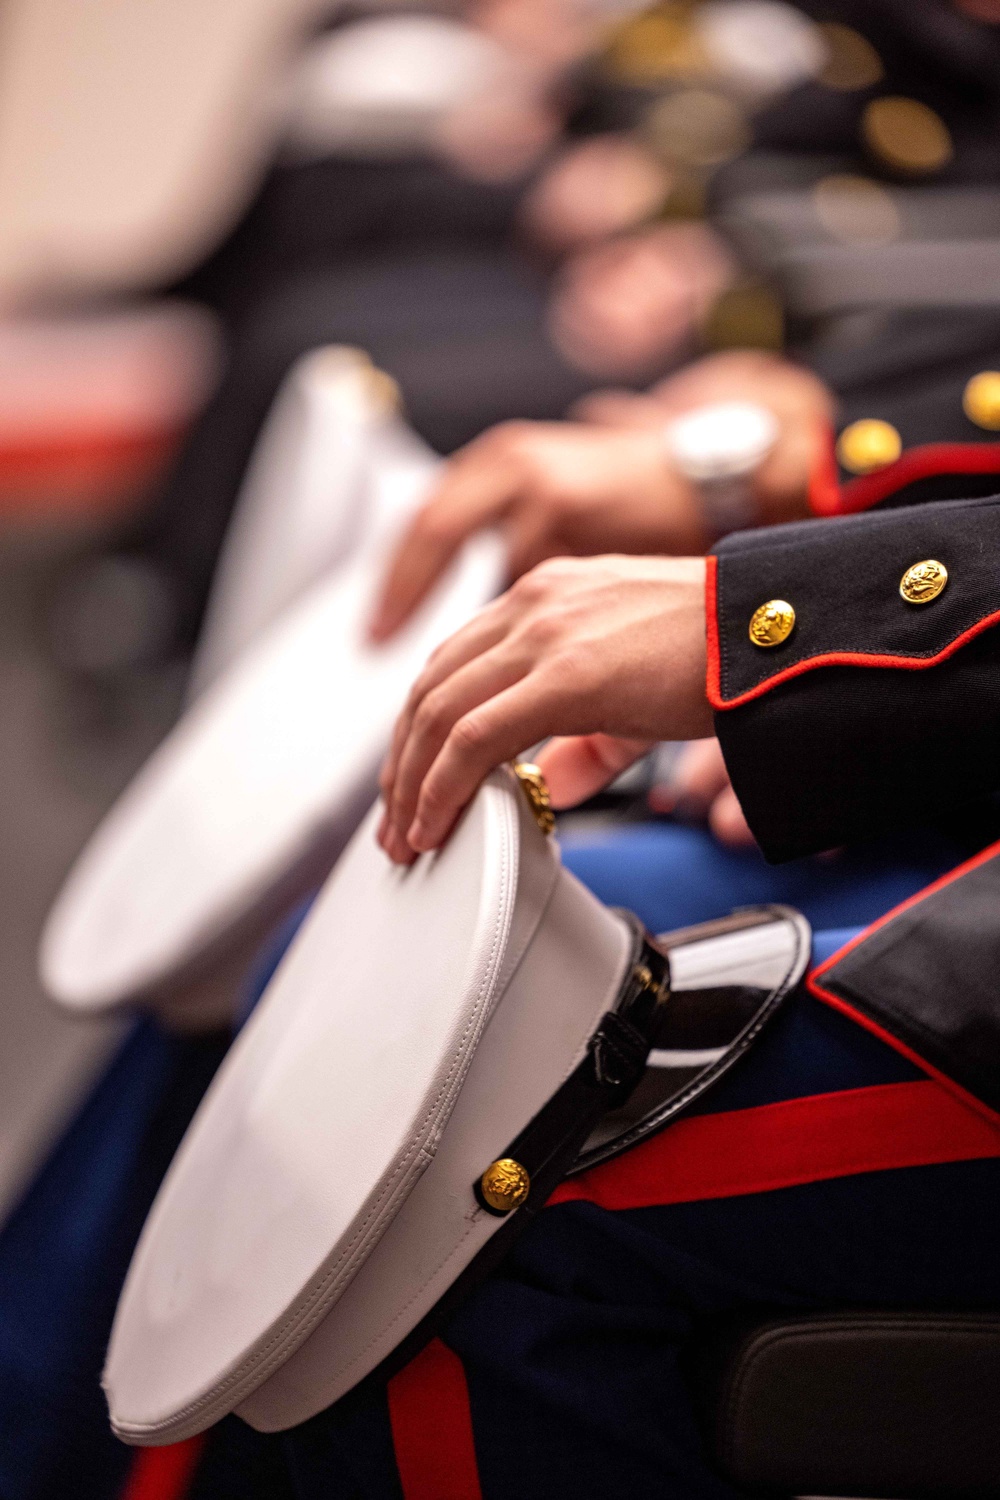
856, 691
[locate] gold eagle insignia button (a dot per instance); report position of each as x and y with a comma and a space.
923, 582
504, 1185
981, 400
772, 623
867, 445
536, 789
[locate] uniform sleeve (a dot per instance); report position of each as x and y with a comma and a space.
854, 669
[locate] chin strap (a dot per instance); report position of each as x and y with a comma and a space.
539, 1157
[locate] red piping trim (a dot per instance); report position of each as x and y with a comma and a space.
164, 1473
969, 1101
432, 1427
853, 659
881, 1128
713, 674
828, 997
924, 462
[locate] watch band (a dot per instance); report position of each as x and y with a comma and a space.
719, 447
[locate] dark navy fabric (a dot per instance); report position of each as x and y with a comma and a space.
63, 1256
580, 1345
676, 875
580, 1341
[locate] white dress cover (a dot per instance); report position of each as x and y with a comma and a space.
335, 463
248, 801
322, 1200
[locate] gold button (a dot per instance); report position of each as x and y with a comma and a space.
852, 62
504, 1185
772, 623
536, 789
659, 44
906, 134
923, 582
981, 400
867, 445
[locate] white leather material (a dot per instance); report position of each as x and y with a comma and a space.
251, 797
315, 1210
334, 462
536, 1037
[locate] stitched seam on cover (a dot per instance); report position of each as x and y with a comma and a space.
473, 1224
315, 1304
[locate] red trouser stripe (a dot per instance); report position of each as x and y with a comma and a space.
432, 1427
163, 1473
779, 1145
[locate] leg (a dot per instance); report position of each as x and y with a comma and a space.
672, 875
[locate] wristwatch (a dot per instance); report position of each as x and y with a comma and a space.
719, 447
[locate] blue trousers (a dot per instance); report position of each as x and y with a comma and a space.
578, 1343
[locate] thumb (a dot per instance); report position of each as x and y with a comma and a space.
581, 765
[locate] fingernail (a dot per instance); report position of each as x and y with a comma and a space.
417, 836
395, 847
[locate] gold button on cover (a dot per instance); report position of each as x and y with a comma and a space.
505, 1185
981, 400
923, 582
867, 445
772, 623
906, 134
536, 789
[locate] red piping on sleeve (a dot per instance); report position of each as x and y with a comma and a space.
163, 1473
713, 674
848, 659
924, 462
881, 1128
837, 1003
432, 1427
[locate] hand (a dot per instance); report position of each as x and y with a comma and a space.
621, 308
798, 398
557, 489
609, 651
601, 186
699, 788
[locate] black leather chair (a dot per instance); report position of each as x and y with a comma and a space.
888, 1404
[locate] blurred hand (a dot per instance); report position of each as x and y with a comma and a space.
623, 307
700, 790
609, 651
799, 399
597, 188
556, 488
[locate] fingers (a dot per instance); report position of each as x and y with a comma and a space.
483, 739
698, 777
434, 719
476, 489
531, 539
482, 632
727, 822
579, 767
